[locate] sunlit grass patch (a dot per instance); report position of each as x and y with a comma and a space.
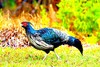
70, 57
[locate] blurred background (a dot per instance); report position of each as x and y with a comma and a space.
79, 18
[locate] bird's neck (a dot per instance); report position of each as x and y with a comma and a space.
30, 30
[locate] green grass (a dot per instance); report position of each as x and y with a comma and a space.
30, 57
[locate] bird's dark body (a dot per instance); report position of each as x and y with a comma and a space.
53, 37
49, 36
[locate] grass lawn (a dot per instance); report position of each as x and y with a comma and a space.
30, 57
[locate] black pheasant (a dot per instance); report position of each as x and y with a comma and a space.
47, 39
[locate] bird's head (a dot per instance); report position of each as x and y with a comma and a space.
26, 24
28, 28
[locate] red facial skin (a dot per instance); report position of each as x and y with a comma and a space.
24, 24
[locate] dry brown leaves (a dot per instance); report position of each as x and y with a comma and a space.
13, 38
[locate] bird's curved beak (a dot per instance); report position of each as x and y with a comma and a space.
21, 25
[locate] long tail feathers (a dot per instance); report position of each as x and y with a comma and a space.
76, 43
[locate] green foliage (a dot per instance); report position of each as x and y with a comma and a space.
9, 4
63, 13
92, 40
30, 57
85, 13
98, 36
44, 16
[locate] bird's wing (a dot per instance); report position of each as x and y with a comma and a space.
38, 43
63, 36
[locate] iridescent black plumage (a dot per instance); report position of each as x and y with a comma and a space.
50, 38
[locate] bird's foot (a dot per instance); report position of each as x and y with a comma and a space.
45, 57
58, 57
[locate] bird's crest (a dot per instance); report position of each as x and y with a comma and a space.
25, 23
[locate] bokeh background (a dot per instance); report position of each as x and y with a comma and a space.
78, 18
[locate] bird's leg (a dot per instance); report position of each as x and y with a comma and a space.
45, 56
57, 56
